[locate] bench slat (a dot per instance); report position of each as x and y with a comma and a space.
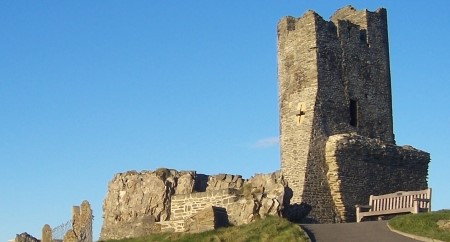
392, 211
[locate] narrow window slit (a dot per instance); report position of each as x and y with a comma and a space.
353, 113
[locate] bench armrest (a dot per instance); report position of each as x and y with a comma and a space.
359, 208
425, 202
363, 206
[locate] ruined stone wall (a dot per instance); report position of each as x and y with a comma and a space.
142, 203
186, 205
359, 167
136, 200
364, 69
304, 50
208, 219
82, 222
78, 229
330, 115
25, 237
139, 203
259, 196
334, 78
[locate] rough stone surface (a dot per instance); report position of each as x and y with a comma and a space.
47, 233
82, 222
224, 181
334, 78
243, 211
207, 219
185, 183
183, 206
25, 237
261, 195
136, 200
443, 224
70, 236
272, 185
359, 167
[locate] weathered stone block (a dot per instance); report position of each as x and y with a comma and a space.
185, 182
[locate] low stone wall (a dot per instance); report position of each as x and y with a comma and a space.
359, 167
186, 205
210, 217
172, 226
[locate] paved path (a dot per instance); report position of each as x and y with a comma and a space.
371, 231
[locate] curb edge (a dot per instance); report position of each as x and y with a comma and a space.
412, 236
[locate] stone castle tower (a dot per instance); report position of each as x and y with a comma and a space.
336, 129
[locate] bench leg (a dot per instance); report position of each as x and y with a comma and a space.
416, 207
358, 215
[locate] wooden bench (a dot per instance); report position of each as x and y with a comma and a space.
395, 203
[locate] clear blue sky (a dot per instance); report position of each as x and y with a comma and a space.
92, 88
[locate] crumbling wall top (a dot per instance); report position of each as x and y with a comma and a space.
289, 23
349, 13
359, 17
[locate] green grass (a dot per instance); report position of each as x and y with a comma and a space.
267, 229
423, 224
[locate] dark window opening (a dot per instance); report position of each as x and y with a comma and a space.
363, 35
353, 113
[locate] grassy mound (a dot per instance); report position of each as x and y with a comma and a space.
422, 224
267, 229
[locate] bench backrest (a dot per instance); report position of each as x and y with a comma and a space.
400, 199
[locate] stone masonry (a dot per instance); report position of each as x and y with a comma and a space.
142, 203
336, 129
209, 218
188, 206
359, 167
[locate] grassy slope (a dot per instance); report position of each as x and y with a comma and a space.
268, 229
423, 224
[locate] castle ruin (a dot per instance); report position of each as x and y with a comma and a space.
336, 138
336, 129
